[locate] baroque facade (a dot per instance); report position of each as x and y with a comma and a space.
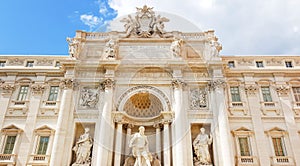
196, 107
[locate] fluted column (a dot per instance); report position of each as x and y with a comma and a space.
166, 145
157, 140
62, 122
178, 127
105, 142
118, 145
221, 123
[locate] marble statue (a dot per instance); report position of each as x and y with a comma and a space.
82, 149
110, 50
176, 48
201, 148
215, 48
140, 149
73, 46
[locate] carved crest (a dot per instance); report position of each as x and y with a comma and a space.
145, 24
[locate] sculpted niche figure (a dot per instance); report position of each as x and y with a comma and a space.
176, 47
110, 50
140, 149
82, 149
201, 144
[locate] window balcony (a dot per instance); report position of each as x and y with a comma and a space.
37, 159
237, 106
246, 160
18, 106
282, 160
8, 159
269, 106
52, 106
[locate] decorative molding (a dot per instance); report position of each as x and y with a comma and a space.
37, 88
7, 88
67, 83
177, 83
251, 89
282, 90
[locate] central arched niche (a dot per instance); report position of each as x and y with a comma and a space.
143, 102
143, 105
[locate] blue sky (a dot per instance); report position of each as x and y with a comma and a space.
41, 26
244, 27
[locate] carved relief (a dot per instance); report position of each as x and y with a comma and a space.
8, 88
110, 50
198, 98
16, 61
145, 24
89, 97
44, 62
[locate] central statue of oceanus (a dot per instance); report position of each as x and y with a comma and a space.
140, 150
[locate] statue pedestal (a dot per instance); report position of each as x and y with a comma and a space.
198, 163
81, 164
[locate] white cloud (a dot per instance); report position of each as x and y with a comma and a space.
243, 26
90, 20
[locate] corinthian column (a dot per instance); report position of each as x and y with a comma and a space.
105, 138
62, 122
221, 124
178, 127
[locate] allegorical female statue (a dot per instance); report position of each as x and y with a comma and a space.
140, 149
201, 148
82, 148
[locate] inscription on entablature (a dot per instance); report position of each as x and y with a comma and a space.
149, 51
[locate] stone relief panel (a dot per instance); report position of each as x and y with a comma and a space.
198, 98
89, 98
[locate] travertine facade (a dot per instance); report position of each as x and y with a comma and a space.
172, 83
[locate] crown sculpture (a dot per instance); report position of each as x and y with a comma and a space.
145, 24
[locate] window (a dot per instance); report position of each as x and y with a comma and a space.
53, 93
9, 144
266, 94
42, 145
288, 64
23, 93
231, 64
259, 64
278, 146
29, 63
296, 91
57, 64
244, 146
2, 63
235, 94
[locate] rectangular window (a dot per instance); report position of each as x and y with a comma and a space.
23, 93
296, 91
29, 63
53, 93
266, 94
244, 146
9, 144
43, 145
288, 64
235, 94
278, 146
231, 64
2, 63
259, 64
57, 64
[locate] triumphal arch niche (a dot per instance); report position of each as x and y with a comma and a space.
147, 84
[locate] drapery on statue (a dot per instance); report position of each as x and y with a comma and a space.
176, 47
73, 46
82, 148
140, 149
110, 50
200, 145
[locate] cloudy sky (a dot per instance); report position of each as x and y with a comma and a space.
244, 27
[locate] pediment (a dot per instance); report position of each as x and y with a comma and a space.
44, 128
11, 127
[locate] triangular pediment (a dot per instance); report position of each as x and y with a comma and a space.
242, 129
11, 127
275, 129
44, 128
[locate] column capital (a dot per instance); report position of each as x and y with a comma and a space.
37, 88
7, 87
251, 89
129, 126
282, 90
177, 83
107, 83
67, 83
157, 125
217, 84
